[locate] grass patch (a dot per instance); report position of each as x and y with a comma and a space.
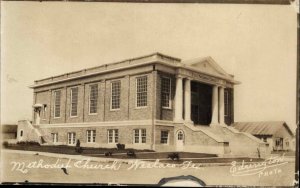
70, 150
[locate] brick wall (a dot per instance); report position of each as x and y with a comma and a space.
127, 111
125, 135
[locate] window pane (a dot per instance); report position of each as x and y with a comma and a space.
115, 94
116, 135
141, 91
143, 135
166, 92
136, 136
57, 95
164, 137
74, 101
93, 98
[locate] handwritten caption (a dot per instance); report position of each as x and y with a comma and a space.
24, 167
269, 166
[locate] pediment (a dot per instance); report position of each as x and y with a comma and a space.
208, 65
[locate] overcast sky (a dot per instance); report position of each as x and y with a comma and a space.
256, 43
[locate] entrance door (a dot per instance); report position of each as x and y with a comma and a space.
201, 103
179, 141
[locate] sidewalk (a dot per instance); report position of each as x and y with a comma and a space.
100, 159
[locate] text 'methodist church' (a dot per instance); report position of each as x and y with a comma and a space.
155, 102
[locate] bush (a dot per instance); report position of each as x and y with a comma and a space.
173, 156
120, 146
28, 143
108, 154
131, 154
5, 144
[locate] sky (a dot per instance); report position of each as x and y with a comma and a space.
255, 43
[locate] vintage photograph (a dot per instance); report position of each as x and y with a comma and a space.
166, 94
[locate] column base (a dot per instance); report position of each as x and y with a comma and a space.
218, 125
189, 122
178, 121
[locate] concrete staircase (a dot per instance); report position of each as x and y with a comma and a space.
32, 133
240, 143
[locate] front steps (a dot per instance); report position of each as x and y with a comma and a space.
240, 143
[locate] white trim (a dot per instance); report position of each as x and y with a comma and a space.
111, 82
98, 124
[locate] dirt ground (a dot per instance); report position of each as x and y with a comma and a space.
80, 172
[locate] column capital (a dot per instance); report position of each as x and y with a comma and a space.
179, 76
189, 78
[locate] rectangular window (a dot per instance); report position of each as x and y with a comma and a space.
71, 138
164, 137
74, 101
57, 99
91, 136
226, 102
115, 94
113, 136
139, 136
54, 137
141, 91
166, 92
93, 99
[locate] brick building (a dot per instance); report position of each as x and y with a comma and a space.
153, 102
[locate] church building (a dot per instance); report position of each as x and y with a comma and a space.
155, 102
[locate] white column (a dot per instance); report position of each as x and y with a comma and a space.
215, 106
178, 99
221, 109
187, 100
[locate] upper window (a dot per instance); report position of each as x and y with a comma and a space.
164, 137
166, 92
91, 136
141, 91
74, 101
57, 95
226, 102
139, 136
115, 94
93, 99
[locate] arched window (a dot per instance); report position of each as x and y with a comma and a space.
21, 133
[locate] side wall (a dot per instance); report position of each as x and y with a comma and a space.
127, 111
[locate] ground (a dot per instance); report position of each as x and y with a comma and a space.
282, 175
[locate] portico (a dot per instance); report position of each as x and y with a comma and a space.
200, 96
183, 101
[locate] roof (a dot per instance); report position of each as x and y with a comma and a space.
212, 69
262, 128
